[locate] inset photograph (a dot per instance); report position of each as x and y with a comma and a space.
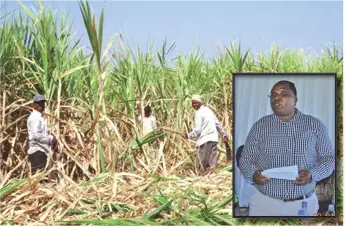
284, 144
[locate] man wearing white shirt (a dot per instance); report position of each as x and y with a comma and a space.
149, 121
205, 132
39, 139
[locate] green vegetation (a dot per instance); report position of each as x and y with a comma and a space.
109, 175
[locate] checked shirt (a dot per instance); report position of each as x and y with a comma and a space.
302, 141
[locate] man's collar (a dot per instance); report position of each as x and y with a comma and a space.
202, 106
37, 112
297, 116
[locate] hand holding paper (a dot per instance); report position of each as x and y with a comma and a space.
260, 179
286, 173
304, 177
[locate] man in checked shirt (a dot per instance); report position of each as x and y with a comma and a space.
285, 138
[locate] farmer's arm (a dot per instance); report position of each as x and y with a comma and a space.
197, 126
325, 163
154, 123
220, 128
250, 154
36, 132
139, 119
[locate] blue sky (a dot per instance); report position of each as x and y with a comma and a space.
255, 24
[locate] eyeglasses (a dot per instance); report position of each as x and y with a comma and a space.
283, 94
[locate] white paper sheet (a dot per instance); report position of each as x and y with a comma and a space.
286, 173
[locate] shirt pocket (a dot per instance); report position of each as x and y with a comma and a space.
305, 143
274, 145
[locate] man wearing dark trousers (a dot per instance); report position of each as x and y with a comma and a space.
205, 131
40, 140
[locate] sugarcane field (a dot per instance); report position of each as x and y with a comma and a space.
115, 125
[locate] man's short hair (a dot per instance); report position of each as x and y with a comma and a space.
147, 109
291, 85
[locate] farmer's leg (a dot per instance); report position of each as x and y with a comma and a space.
38, 161
200, 159
212, 160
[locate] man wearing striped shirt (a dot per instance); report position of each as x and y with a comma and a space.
286, 138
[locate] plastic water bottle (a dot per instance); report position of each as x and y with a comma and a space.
333, 200
330, 211
305, 207
301, 213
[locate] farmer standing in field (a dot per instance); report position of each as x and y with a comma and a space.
149, 120
39, 139
285, 138
206, 135
149, 124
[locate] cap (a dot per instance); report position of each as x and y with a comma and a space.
38, 98
197, 98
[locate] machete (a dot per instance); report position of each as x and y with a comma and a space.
228, 152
